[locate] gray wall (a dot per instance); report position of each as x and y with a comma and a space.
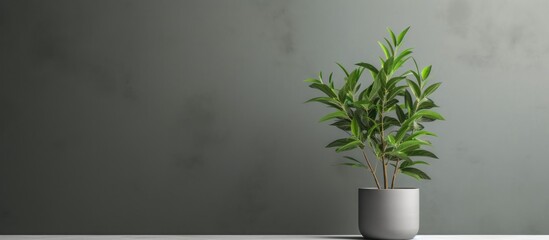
186, 117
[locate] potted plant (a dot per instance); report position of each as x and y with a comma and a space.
387, 117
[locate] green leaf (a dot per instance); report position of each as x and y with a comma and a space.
410, 163
326, 100
414, 87
369, 67
393, 37
355, 129
415, 173
425, 142
403, 54
426, 119
406, 125
426, 104
342, 93
406, 73
401, 35
409, 144
400, 114
373, 129
420, 133
312, 80
425, 72
355, 165
431, 89
357, 87
396, 91
390, 47
353, 78
408, 102
417, 126
399, 63
353, 159
325, 89
349, 146
391, 103
343, 124
416, 76
344, 70
422, 153
389, 122
398, 155
394, 81
377, 149
340, 142
430, 114
330, 82
384, 49
376, 86
417, 68
404, 164
391, 139
362, 102
388, 65
337, 114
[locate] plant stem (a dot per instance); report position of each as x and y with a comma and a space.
398, 160
382, 138
371, 170
394, 175
385, 182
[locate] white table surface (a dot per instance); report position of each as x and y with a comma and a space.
266, 237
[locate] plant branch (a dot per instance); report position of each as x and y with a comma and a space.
385, 180
371, 169
416, 105
394, 174
382, 138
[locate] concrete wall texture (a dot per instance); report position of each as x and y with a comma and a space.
187, 117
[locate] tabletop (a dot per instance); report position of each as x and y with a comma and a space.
261, 237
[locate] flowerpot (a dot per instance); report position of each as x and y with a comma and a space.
388, 213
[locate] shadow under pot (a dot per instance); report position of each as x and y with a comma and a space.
388, 213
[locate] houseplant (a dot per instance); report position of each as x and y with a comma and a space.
387, 117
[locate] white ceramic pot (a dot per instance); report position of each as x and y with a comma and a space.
388, 213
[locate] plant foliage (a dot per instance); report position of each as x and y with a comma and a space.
387, 115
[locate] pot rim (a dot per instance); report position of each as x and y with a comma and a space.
389, 189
